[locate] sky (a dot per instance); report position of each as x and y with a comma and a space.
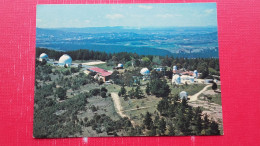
128, 15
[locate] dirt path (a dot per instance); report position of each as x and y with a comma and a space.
195, 96
119, 108
134, 109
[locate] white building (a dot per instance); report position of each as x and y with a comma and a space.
145, 71
120, 65
43, 56
65, 60
174, 68
195, 74
183, 95
176, 79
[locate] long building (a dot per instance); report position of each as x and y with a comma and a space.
101, 73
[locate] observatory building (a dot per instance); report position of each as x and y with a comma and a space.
176, 79
65, 60
145, 72
43, 56
183, 95
195, 74
120, 65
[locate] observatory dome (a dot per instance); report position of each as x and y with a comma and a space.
65, 60
120, 65
145, 71
174, 68
176, 79
43, 56
195, 73
183, 94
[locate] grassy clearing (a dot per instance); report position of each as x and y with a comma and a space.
190, 89
150, 102
216, 98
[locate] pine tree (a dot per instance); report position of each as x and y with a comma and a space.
138, 93
152, 132
131, 93
156, 120
122, 91
162, 126
163, 106
148, 121
171, 130
197, 121
214, 86
147, 89
214, 128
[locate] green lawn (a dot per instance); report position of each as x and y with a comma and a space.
149, 103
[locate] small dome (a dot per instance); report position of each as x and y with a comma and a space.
183, 94
195, 73
145, 71
43, 56
174, 68
65, 60
120, 65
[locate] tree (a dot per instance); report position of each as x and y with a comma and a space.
122, 91
152, 132
146, 61
156, 120
104, 89
131, 93
171, 130
138, 93
214, 128
128, 78
203, 68
147, 89
163, 106
160, 88
205, 126
148, 121
162, 126
197, 121
61, 93
214, 86
103, 94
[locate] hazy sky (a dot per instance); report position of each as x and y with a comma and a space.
132, 15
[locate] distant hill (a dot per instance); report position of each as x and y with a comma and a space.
190, 42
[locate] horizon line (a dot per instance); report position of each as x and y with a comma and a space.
132, 27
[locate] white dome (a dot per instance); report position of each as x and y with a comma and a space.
183, 94
65, 60
43, 56
195, 73
176, 79
120, 65
145, 71
174, 67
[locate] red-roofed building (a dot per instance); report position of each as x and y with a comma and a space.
103, 73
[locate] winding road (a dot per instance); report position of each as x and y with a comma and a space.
195, 96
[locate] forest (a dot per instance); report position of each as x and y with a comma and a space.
68, 102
